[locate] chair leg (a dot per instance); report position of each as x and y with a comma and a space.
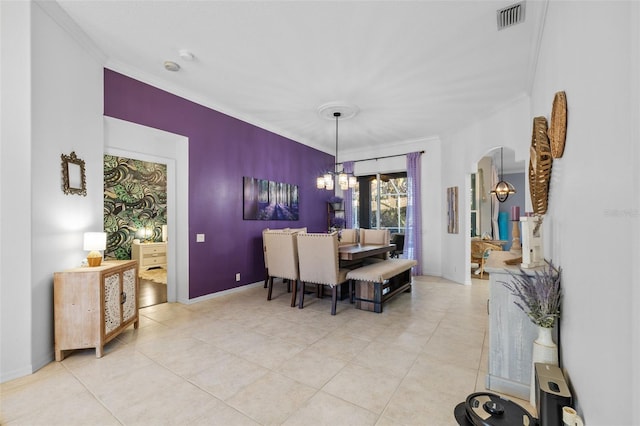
301, 290
270, 288
334, 299
294, 284
266, 278
351, 292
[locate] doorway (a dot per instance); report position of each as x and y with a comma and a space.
135, 220
123, 138
491, 221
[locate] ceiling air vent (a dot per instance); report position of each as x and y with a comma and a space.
510, 15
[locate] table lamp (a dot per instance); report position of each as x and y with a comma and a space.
93, 242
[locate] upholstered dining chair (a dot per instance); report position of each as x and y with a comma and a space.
348, 236
318, 260
282, 254
264, 251
398, 240
266, 262
297, 229
375, 236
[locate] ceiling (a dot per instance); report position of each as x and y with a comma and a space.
414, 69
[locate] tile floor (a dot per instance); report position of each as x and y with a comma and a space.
240, 360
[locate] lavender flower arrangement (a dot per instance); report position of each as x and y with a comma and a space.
539, 296
334, 199
338, 222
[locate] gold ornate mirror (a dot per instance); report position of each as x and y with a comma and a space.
73, 176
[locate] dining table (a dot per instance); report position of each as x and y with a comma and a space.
360, 251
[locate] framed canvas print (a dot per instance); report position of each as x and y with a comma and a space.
268, 200
452, 210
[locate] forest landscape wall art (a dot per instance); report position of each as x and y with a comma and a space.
268, 200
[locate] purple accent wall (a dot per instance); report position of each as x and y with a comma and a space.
222, 150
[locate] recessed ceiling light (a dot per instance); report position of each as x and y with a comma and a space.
186, 55
171, 66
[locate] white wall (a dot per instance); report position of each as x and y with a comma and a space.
432, 204
509, 127
15, 190
590, 50
59, 84
634, 110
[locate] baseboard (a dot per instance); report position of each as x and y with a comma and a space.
221, 293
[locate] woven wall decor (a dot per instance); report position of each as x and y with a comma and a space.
539, 166
558, 126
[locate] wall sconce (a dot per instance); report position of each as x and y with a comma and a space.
93, 243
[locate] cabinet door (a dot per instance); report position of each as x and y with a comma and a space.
112, 311
129, 294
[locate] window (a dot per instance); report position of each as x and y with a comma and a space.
385, 199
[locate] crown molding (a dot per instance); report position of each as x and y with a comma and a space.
189, 95
65, 21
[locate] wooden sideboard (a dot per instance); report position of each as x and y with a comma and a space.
511, 332
149, 255
92, 305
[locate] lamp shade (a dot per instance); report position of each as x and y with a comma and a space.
94, 241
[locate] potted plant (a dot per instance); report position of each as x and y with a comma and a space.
335, 202
337, 223
539, 296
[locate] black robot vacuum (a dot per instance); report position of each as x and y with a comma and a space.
489, 409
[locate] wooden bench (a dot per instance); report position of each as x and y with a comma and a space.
378, 282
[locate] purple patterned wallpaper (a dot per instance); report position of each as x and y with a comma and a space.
222, 150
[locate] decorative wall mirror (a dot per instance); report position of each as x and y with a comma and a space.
73, 175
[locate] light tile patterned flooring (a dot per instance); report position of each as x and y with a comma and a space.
240, 360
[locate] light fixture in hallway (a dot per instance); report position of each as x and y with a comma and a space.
503, 188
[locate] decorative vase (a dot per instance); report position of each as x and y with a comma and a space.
544, 351
336, 206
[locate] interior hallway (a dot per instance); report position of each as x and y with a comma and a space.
241, 360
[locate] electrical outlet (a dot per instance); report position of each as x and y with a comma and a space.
238, 276
199, 238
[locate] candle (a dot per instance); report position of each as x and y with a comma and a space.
515, 212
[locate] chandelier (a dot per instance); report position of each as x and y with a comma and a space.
331, 179
503, 188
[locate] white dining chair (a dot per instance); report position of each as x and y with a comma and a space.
282, 254
318, 261
376, 237
348, 236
